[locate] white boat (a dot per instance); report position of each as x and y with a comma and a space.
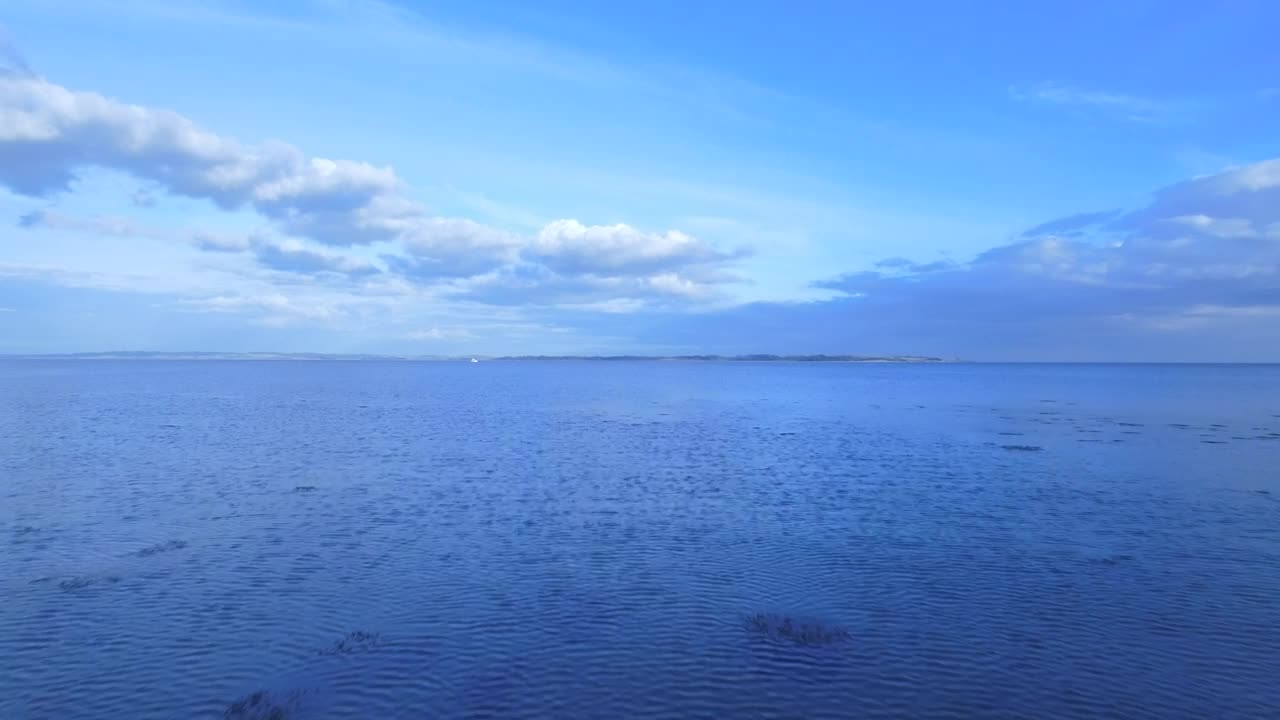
474, 360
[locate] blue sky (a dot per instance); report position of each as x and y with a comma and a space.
999, 181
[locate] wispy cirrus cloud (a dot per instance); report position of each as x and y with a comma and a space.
11, 60
112, 226
1072, 224
438, 334
1131, 107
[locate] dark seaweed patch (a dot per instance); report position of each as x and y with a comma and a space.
162, 547
22, 532
80, 582
262, 705
353, 642
809, 633
1113, 559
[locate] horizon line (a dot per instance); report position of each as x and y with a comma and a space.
267, 356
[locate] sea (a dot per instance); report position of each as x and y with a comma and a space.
638, 539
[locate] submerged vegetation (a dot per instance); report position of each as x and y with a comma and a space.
809, 633
353, 642
262, 705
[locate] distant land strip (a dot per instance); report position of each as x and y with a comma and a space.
465, 358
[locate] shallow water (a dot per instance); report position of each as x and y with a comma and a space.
608, 540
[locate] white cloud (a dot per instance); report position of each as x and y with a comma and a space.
49, 133
439, 334
534, 284
220, 242
1194, 275
568, 246
448, 247
273, 309
121, 227
1217, 227
1133, 107
293, 255
93, 225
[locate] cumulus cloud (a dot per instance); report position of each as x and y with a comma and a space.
538, 284
296, 256
568, 246
447, 247
49, 133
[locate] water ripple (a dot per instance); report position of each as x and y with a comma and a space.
668, 541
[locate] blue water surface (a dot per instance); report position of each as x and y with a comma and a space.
638, 540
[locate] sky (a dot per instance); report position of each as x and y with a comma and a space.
996, 181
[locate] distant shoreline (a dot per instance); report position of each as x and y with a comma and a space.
261, 357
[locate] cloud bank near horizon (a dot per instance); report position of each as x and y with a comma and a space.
1194, 272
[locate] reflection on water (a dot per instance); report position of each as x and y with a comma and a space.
356, 540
